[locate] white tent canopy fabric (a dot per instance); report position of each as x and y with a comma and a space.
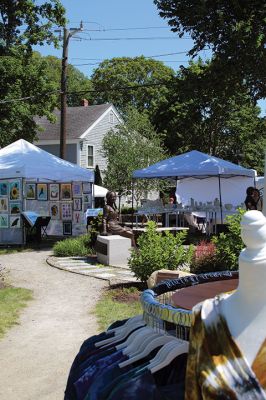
233, 190
99, 191
22, 159
193, 164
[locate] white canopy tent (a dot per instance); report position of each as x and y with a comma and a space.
203, 178
99, 191
22, 159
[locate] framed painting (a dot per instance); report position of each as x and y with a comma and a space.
67, 228
87, 187
54, 191
3, 220
87, 198
4, 204
66, 211
54, 210
14, 190
14, 221
86, 206
15, 207
4, 189
30, 191
78, 217
77, 189
42, 193
77, 204
65, 189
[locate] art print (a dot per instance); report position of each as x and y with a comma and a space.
15, 208
87, 198
87, 187
77, 189
66, 211
54, 191
3, 220
65, 191
4, 189
67, 228
14, 221
86, 206
4, 204
42, 193
77, 204
55, 210
30, 190
78, 217
14, 190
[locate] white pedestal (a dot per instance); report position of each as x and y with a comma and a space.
117, 250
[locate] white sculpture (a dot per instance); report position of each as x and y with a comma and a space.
245, 309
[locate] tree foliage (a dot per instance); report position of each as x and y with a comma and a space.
128, 147
234, 30
196, 116
127, 72
24, 24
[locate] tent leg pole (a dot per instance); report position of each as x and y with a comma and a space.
220, 194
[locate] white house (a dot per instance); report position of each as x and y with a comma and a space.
86, 127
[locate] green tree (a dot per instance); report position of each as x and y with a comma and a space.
128, 147
26, 89
24, 23
76, 80
195, 116
235, 31
126, 72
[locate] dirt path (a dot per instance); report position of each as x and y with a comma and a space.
36, 355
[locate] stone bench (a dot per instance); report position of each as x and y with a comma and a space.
113, 250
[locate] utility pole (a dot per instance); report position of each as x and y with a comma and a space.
67, 35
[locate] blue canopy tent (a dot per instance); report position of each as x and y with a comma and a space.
194, 164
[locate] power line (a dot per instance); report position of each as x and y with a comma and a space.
97, 63
108, 89
153, 56
133, 38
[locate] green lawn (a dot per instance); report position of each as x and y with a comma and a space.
12, 300
117, 304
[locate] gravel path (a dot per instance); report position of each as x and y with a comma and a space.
35, 356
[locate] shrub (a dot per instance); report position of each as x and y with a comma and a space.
228, 245
80, 246
156, 251
204, 258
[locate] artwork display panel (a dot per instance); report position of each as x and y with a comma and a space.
77, 189
86, 206
42, 193
66, 211
55, 210
77, 204
54, 191
67, 228
87, 187
4, 189
14, 190
30, 191
65, 191
78, 217
4, 204
3, 220
14, 221
15, 207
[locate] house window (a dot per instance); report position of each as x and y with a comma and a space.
90, 156
111, 117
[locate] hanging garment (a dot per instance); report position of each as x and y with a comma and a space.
216, 367
166, 384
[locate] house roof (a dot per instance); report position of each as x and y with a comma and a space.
79, 119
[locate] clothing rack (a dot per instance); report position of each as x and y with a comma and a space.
159, 313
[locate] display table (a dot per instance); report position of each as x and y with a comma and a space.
188, 297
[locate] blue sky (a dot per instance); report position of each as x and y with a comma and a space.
105, 19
